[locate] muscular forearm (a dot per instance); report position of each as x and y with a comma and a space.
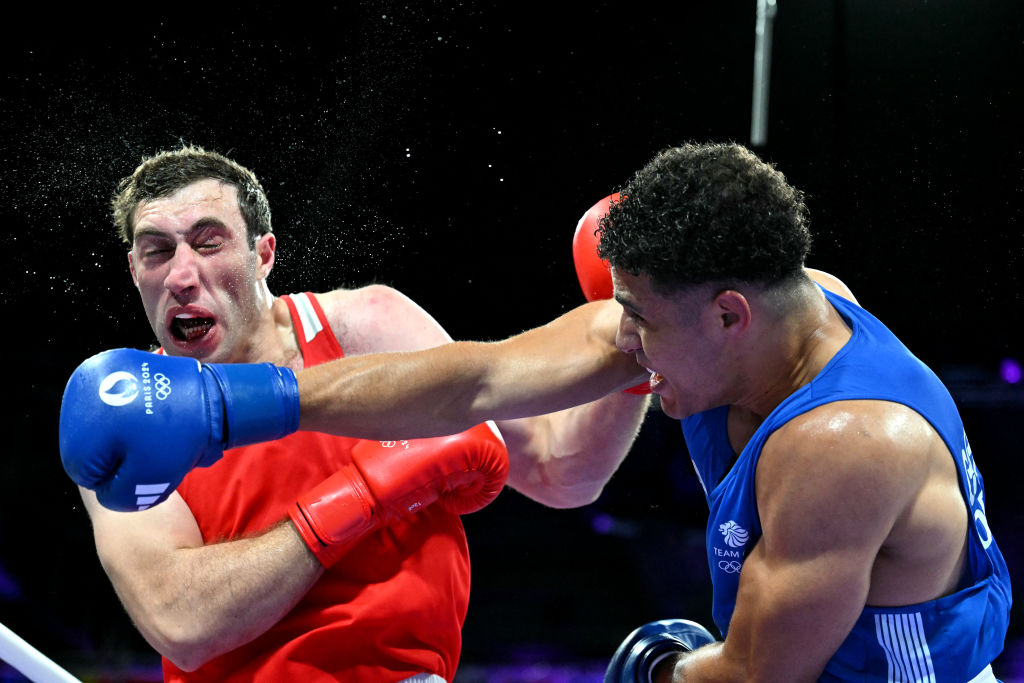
564, 460
446, 389
209, 600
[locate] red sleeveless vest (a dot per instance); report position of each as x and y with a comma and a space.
392, 608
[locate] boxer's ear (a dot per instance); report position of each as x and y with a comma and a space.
266, 249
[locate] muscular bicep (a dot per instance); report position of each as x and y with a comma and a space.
194, 601
134, 547
828, 497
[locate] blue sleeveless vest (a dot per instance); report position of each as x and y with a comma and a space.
949, 639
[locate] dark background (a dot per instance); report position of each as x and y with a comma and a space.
448, 149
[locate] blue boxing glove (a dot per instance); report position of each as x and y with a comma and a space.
133, 424
647, 646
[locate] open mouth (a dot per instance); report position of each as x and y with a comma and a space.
187, 327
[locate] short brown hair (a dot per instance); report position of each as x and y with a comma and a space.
165, 173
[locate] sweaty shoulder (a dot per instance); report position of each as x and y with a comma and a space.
379, 319
854, 422
875, 452
831, 283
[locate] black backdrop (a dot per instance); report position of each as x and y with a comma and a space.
448, 149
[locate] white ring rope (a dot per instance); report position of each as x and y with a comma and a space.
32, 663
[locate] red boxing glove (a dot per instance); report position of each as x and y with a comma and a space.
389, 480
592, 271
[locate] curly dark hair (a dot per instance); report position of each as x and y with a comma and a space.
703, 213
165, 173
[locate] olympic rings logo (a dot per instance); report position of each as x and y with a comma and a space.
728, 567
163, 386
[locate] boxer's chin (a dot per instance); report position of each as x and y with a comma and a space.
670, 408
667, 396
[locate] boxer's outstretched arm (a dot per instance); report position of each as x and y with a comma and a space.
561, 459
570, 361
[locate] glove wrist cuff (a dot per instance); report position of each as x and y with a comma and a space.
335, 515
260, 400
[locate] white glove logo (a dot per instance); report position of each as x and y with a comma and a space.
163, 386
119, 389
735, 535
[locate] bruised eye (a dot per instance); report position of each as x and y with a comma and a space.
156, 251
